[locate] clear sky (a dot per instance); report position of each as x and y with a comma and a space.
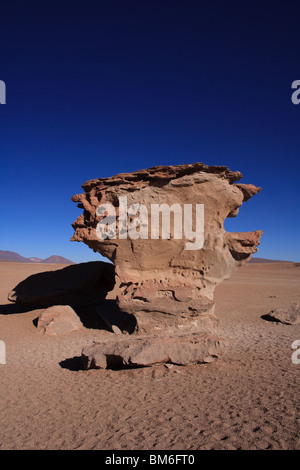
96, 88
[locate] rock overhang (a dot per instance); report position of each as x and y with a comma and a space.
149, 271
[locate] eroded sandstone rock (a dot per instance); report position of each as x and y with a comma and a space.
165, 285
58, 320
181, 350
288, 314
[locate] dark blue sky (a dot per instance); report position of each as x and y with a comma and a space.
96, 88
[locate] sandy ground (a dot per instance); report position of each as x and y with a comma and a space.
249, 399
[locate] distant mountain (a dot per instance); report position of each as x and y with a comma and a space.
57, 260
13, 256
264, 260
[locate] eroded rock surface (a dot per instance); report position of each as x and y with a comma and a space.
181, 350
58, 320
288, 314
165, 285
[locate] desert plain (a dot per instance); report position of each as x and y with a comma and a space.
247, 399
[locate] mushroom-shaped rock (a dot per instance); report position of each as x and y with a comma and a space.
163, 229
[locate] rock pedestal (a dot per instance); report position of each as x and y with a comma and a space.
166, 280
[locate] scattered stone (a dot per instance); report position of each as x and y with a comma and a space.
289, 314
138, 351
58, 320
116, 330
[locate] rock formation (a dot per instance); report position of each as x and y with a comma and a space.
58, 320
167, 281
288, 314
180, 350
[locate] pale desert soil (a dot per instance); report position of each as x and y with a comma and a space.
249, 399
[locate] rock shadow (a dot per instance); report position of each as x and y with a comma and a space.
73, 363
268, 318
83, 286
106, 316
77, 363
11, 309
78, 284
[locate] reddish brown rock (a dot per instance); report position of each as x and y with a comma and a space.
58, 320
288, 314
181, 350
164, 284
